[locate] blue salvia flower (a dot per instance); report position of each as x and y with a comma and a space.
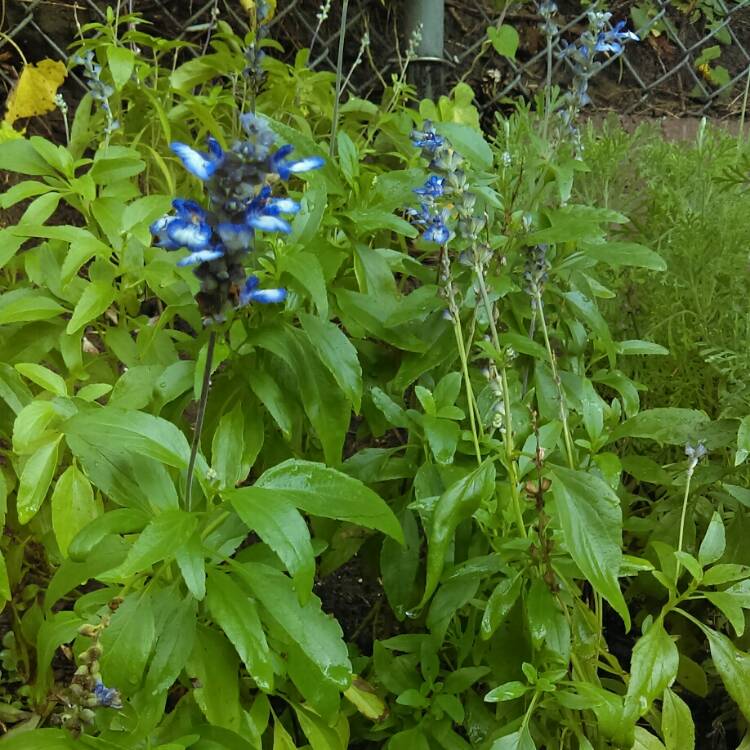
434, 187
107, 697
200, 164
251, 293
427, 138
238, 181
612, 41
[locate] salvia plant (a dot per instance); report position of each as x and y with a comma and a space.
347, 450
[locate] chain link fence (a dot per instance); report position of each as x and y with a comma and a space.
692, 60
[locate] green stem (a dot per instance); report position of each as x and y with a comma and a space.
682, 524
339, 76
508, 415
558, 382
199, 420
469, 390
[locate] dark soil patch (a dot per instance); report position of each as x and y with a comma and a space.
357, 600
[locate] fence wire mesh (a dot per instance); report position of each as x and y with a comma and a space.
692, 60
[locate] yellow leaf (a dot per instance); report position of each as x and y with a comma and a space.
34, 92
367, 701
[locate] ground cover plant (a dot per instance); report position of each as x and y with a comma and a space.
320, 427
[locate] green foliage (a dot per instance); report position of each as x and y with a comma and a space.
493, 468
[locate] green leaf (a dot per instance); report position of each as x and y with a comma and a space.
306, 269
677, 726
214, 665
191, 560
35, 480
121, 63
96, 298
318, 732
235, 612
644, 740
131, 432
520, 740
348, 157
504, 39
27, 305
501, 601
443, 436
618, 254
280, 525
714, 542
5, 593
337, 353
62, 627
591, 520
653, 668
117, 521
159, 541
468, 141
324, 404
640, 347
399, 564
19, 155
508, 691
73, 506
227, 447
368, 220
43, 377
127, 642
733, 667
743, 441
173, 647
325, 492
282, 740
456, 504
30, 427
317, 635
669, 425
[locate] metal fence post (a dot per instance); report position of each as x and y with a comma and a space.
425, 21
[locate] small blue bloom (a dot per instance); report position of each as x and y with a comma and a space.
286, 167
194, 236
201, 256
612, 41
251, 293
427, 138
436, 230
198, 163
276, 206
190, 228
108, 697
263, 210
433, 187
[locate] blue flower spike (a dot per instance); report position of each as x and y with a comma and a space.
239, 189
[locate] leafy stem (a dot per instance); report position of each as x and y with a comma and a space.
556, 378
508, 415
203, 400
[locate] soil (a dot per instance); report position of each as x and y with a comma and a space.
355, 597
